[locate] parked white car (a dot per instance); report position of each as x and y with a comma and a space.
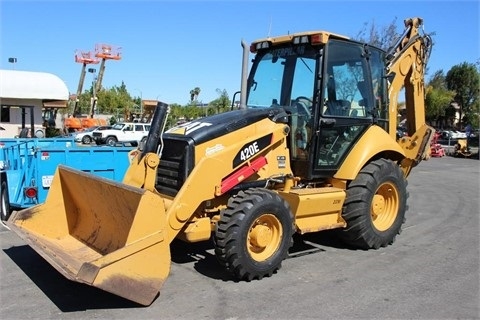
122, 132
453, 134
86, 136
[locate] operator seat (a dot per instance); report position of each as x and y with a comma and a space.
338, 108
301, 126
362, 88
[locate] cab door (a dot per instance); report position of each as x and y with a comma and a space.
348, 105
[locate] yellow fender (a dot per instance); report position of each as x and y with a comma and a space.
364, 150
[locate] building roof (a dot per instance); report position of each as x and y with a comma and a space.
152, 103
18, 84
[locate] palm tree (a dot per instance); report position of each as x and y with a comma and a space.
194, 94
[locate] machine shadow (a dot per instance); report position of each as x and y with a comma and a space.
68, 296
204, 261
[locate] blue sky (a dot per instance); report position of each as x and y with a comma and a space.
171, 47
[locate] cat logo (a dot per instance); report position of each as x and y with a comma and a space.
188, 127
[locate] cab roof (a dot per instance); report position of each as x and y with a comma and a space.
324, 35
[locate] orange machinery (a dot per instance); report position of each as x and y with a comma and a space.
102, 53
85, 58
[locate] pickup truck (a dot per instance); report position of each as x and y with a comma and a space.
122, 132
27, 167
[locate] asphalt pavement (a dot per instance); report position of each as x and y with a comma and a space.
430, 272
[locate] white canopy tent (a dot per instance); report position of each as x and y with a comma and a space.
27, 92
32, 85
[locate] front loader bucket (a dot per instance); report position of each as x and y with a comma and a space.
100, 232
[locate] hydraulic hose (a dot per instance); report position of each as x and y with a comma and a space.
156, 129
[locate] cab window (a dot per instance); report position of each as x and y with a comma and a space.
345, 86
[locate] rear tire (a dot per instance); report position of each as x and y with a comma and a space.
4, 202
375, 206
254, 234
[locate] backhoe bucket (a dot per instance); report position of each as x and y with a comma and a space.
100, 232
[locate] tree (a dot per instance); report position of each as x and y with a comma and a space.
464, 79
222, 103
109, 101
382, 37
176, 114
83, 102
437, 81
437, 100
194, 93
192, 112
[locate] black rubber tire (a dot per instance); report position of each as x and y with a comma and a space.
4, 202
375, 206
111, 141
254, 234
86, 139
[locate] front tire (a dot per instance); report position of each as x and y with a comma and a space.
254, 234
4, 202
86, 140
375, 206
111, 141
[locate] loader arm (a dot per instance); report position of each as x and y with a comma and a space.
142, 171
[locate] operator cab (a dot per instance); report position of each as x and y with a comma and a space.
333, 90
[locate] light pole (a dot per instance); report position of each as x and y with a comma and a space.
93, 109
12, 61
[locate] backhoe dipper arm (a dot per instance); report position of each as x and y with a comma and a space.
406, 68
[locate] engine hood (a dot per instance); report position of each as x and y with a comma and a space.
211, 127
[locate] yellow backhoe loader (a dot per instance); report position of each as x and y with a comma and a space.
311, 147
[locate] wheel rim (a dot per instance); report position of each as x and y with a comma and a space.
264, 237
385, 206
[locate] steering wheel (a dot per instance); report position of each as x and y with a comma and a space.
305, 105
